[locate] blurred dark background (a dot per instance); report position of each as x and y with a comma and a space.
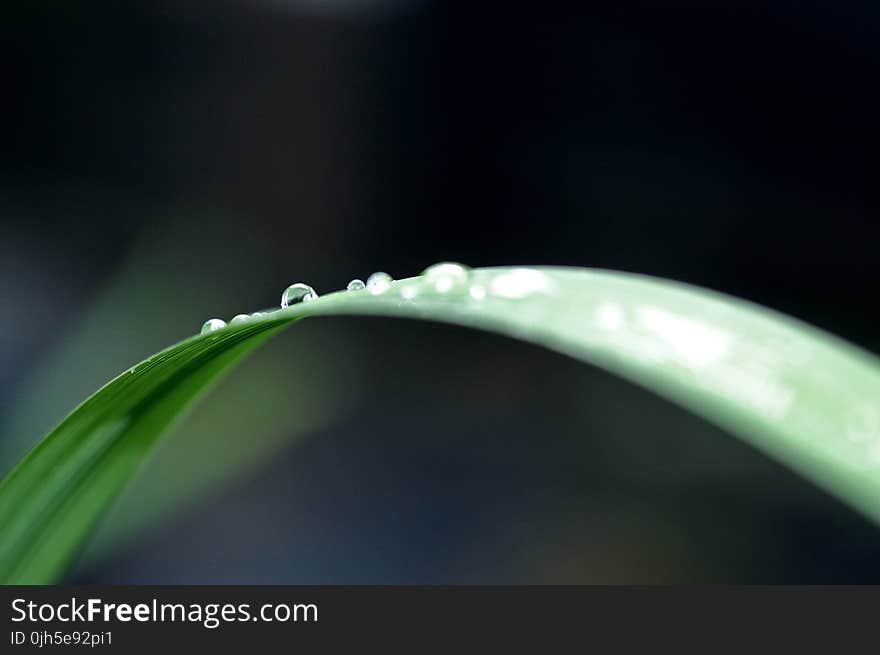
166, 162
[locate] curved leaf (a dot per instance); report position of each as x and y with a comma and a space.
799, 394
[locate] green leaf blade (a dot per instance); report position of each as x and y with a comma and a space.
798, 394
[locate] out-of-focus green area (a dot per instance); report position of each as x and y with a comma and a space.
280, 395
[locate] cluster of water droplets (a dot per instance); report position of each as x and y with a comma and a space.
445, 278
294, 294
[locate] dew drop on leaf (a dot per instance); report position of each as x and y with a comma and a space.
212, 325
238, 319
355, 285
447, 276
521, 282
379, 283
297, 293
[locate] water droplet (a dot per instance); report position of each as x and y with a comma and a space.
212, 325
379, 283
355, 285
447, 276
521, 282
297, 293
477, 292
238, 319
447, 268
